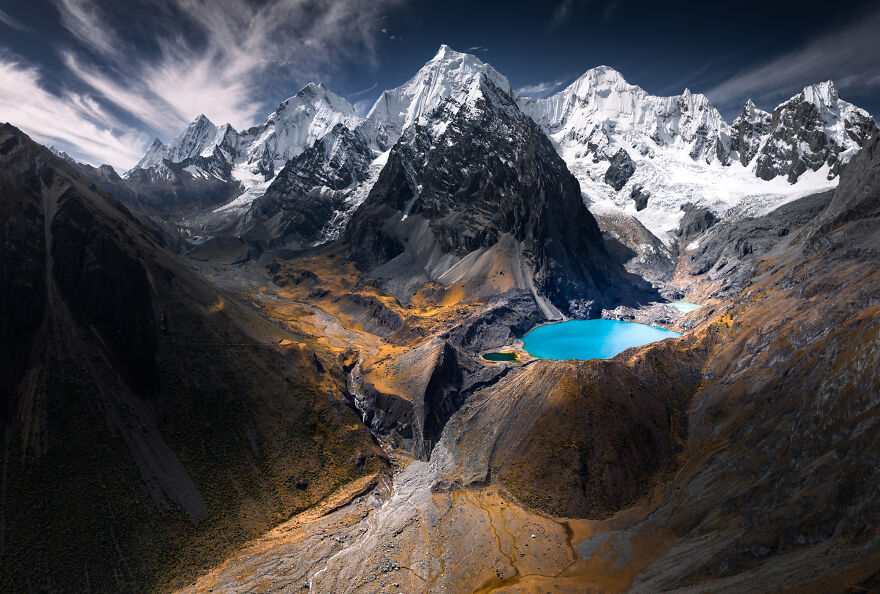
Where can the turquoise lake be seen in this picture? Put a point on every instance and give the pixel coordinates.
(590, 339)
(684, 306)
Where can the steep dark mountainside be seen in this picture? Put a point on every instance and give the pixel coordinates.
(150, 422)
(185, 187)
(299, 208)
(728, 254)
(480, 195)
(636, 248)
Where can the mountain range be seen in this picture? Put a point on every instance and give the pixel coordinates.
(293, 357)
(644, 155)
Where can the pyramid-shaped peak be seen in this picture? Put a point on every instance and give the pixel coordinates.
(751, 111)
(602, 80)
(314, 87)
(447, 53)
(823, 93)
(313, 95)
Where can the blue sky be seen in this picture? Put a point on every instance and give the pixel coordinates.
(101, 78)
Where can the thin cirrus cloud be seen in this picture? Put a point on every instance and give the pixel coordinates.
(71, 120)
(12, 22)
(239, 46)
(223, 58)
(540, 89)
(566, 10)
(850, 57)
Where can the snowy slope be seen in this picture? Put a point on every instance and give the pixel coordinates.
(684, 152)
(257, 154)
(602, 112)
(448, 75)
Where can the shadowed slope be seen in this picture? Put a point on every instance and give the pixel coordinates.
(150, 423)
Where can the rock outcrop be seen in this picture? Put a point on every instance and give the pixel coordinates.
(620, 170)
(306, 202)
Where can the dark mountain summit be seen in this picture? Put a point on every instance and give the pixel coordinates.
(478, 190)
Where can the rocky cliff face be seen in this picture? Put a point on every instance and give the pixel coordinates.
(747, 132)
(619, 171)
(453, 192)
(812, 129)
(177, 188)
(307, 203)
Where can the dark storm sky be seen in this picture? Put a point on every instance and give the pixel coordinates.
(101, 78)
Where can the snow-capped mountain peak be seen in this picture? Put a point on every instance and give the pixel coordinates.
(644, 154)
(602, 113)
(815, 128)
(650, 155)
(293, 127)
(752, 111)
(197, 139)
(823, 94)
(316, 96)
(449, 74)
(154, 155)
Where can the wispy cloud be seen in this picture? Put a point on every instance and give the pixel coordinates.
(608, 10)
(74, 122)
(11, 21)
(850, 57)
(363, 106)
(540, 89)
(564, 11)
(363, 91)
(477, 48)
(567, 10)
(162, 63)
(238, 47)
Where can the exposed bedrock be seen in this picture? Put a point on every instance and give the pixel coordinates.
(640, 196)
(447, 374)
(638, 250)
(620, 170)
(728, 253)
(696, 221)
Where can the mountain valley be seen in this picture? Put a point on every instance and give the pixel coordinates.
(256, 361)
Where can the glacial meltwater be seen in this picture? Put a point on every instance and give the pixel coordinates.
(684, 306)
(590, 339)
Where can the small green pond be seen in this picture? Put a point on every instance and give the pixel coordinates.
(508, 356)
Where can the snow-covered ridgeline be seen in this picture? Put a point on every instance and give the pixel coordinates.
(681, 149)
